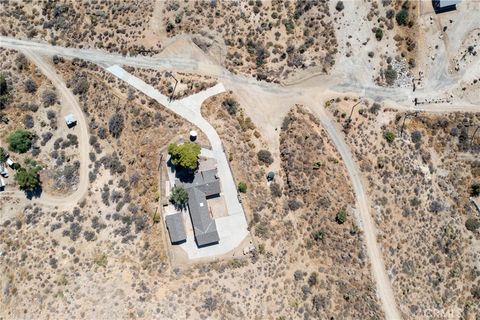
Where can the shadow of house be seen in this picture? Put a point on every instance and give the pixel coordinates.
(441, 6)
(205, 185)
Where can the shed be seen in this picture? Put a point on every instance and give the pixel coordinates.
(176, 228)
(441, 6)
(270, 176)
(10, 162)
(70, 120)
(193, 135)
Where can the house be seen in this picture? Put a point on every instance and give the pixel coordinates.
(70, 120)
(176, 228)
(441, 6)
(205, 185)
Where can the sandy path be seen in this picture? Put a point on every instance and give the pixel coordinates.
(68, 101)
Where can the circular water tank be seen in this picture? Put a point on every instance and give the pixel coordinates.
(193, 135)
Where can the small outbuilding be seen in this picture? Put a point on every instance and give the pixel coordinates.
(10, 162)
(70, 120)
(193, 135)
(270, 176)
(176, 228)
(441, 6)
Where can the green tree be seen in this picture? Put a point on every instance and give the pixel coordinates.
(179, 197)
(341, 216)
(27, 177)
(184, 155)
(389, 136)
(20, 140)
(242, 187)
(3, 155)
(472, 224)
(402, 17)
(3, 91)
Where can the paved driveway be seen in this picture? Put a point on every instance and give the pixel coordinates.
(233, 228)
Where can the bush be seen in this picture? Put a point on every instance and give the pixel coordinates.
(341, 216)
(3, 91)
(230, 105)
(49, 98)
(242, 187)
(340, 6)
(416, 136)
(184, 155)
(3, 155)
(27, 177)
(475, 189)
(379, 34)
(275, 190)
(390, 75)
(402, 17)
(115, 125)
(265, 156)
(472, 224)
(389, 136)
(20, 141)
(28, 121)
(30, 86)
(179, 197)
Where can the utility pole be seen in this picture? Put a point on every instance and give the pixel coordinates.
(169, 74)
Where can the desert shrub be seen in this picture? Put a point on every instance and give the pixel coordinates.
(379, 34)
(79, 84)
(294, 204)
(230, 105)
(115, 125)
(30, 86)
(472, 224)
(402, 17)
(318, 235)
(339, 6)
(264, 156)
(275, 190)
(341, 216)
(28, 121)
(436, 206)
(390, 75)
(46, 137)
(374, 108)
(89, 235)
(389, 136)
(4, 89)
(475, 189)
(3, 155)
(242, 187)
(416, 136)
(49, 98)
(20, 140)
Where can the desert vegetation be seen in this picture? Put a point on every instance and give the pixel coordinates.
(420, 181)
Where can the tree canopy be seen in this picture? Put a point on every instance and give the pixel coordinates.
(3, 91)
(20, 140)
(184, 155)
(27, 177)
(179, 196)
(3, 155)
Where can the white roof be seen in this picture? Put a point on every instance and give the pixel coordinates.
(10, 161)
(193, 133)
(70, 118)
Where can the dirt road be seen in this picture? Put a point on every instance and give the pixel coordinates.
(306, 92)
(68, 101)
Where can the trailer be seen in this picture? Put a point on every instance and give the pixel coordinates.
(2, 184)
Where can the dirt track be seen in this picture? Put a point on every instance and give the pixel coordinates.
(303, 92)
